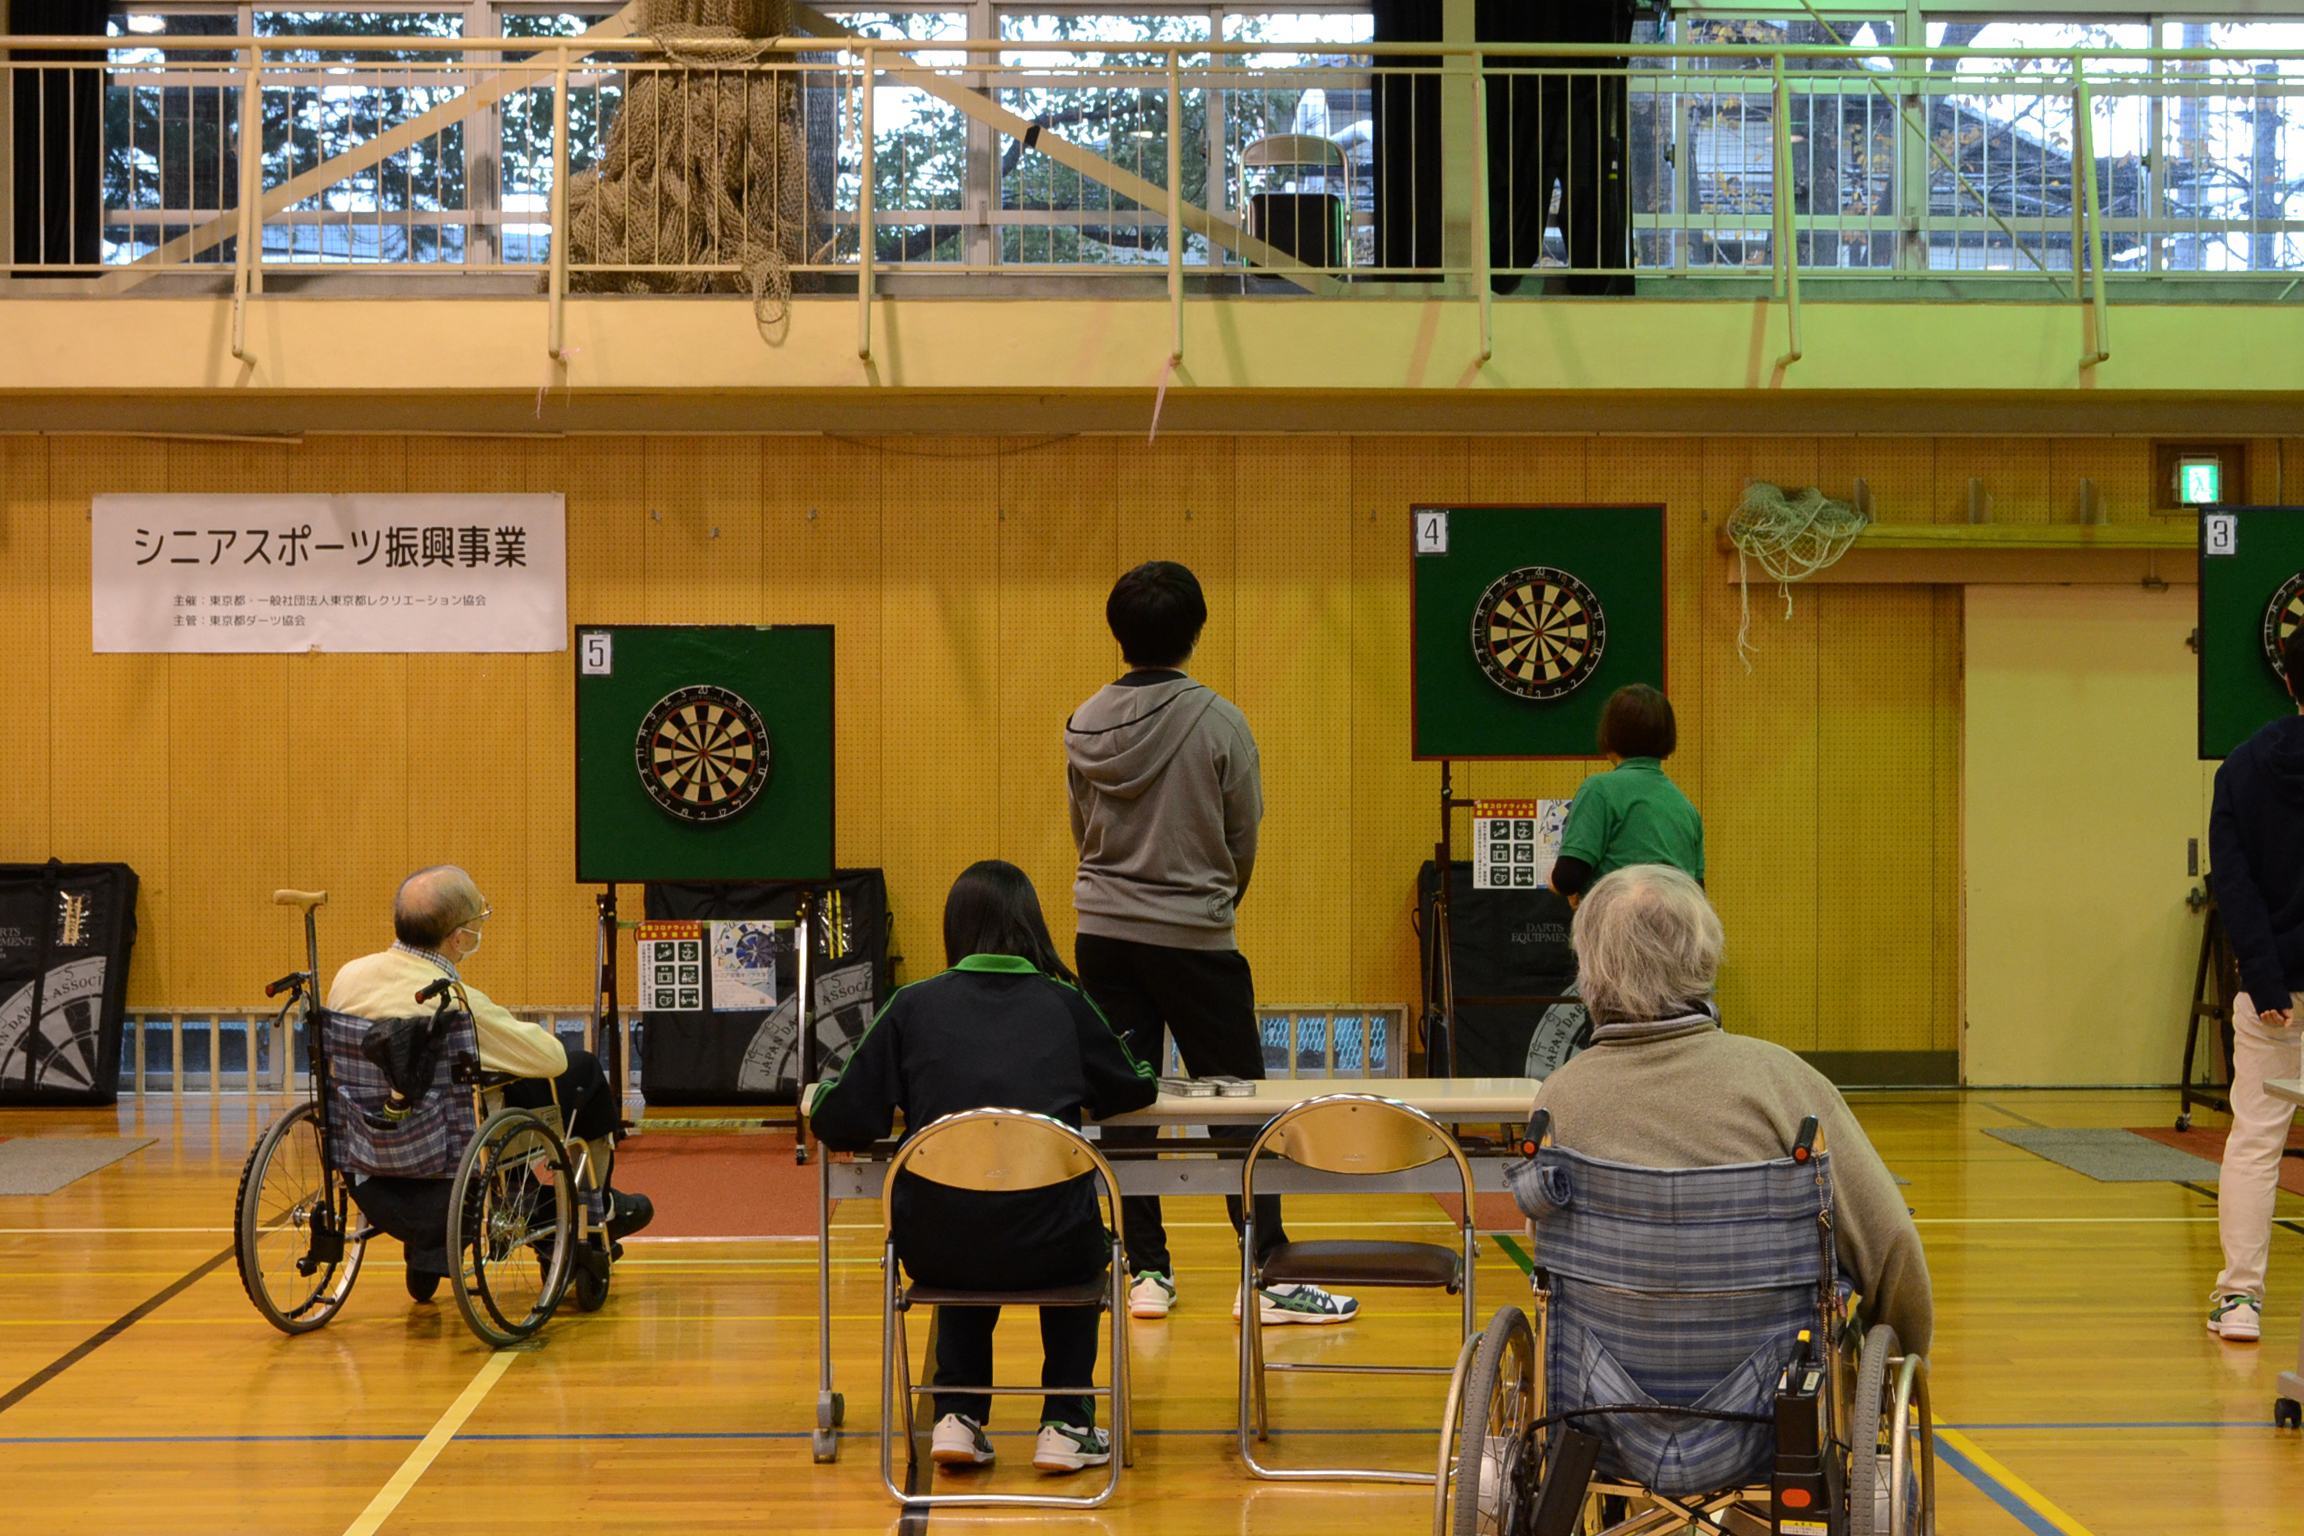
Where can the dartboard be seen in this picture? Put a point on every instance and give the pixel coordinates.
(702, 753)
(2281, 616)
(1538, 632)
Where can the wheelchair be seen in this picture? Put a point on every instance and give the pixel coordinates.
(1694, 1362)
(522, 1228)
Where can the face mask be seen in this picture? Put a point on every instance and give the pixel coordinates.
(475, 949)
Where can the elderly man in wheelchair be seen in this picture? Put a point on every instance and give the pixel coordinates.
(437, 921)
(1708, 1226)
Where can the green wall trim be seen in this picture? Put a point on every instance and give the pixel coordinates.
(1887, 1069)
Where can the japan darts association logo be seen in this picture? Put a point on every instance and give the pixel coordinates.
(703, 754)
(1538, 633)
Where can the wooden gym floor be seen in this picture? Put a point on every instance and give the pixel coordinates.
(139, 1393)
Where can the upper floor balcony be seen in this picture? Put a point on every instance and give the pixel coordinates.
(695, 195)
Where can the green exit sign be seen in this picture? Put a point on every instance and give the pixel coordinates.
(2199, 482)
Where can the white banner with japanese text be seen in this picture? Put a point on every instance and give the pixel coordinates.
(329, 573)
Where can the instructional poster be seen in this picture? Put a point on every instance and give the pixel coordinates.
(1515, 843)
(671, 967)
(743, 966)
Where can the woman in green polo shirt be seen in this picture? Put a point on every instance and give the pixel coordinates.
(1631, 814)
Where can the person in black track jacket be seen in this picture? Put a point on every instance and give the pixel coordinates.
(2256, 859)
(1005, 1028)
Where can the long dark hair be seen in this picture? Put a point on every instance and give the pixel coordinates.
(993, 910)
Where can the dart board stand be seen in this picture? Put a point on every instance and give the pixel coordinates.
(2251, 593)
(1522, 621)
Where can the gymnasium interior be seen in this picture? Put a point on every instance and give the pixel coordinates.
(669, 488)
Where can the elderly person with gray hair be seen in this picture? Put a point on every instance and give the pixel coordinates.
(1664, 1086)
(437, 921)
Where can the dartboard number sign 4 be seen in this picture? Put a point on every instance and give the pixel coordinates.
(704, 753)
(1525, 619)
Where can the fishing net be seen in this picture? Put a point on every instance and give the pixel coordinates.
(1792, 537)
(709, 164)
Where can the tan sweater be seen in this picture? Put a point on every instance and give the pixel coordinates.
(1701, 1097)
(384, 986)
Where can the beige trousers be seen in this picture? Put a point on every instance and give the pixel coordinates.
(2252, 1151)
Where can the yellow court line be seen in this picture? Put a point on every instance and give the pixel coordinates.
(389, 1496)
(2014, 1484)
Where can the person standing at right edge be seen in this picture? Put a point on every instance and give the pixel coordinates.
(1165, 798)
(2256, 858)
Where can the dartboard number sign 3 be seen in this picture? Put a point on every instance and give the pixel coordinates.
(1538, 632)
(703, 753)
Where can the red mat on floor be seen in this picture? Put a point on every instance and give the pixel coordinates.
(2203, 1141)
(721, 1186)
(1490, 1213)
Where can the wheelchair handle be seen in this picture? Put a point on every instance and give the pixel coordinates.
(1538, 1133)
(1805, 1147)
(437, 989)
(292, 979)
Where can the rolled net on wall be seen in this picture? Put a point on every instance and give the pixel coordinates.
(1792, 537)
(709, 164)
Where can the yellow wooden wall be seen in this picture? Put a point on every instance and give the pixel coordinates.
(967, 578)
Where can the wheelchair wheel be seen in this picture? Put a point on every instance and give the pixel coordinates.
(291, 1224)
(1892, 1462)
(511, 1227)
(1494, 1487)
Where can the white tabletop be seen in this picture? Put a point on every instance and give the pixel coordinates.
(2291, 1089)
(1448, 1099)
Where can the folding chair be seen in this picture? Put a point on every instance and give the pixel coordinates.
(999, 1149)
(1360, 1134)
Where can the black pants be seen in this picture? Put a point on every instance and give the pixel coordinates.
(1206, 998)
(1569, 131)
(416, 1210)
(1028, 1240)
(586, 1107)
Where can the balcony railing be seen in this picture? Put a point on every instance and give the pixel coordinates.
(831, 164)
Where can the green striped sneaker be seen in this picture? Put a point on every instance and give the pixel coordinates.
(1068, 1447)
(1300, 1304)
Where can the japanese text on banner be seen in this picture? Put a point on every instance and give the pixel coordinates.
(330, 573)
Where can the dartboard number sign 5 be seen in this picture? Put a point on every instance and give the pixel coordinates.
(704, 753)
(1525, 619)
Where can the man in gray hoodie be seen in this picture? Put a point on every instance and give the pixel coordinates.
(1165, 799)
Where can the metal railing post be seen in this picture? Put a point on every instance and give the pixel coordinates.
(866, 215)
(2087, 224)
(1483, 257)
(1176, 210)
(1787, 247)
(557, 343)
(251, 136)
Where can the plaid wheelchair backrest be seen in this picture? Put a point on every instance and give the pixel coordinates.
(1685, 1287)
(430, 1143)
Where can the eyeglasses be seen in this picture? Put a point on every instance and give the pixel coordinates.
(486, 912)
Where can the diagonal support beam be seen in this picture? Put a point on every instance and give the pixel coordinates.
(983, 109)
(328, 172)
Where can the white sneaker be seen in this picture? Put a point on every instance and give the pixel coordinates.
(1062, 1448)
(1300, 1304)
(1152, 1295)
(2236, 1319)
(960, 1442)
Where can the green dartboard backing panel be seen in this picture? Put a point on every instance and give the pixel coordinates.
(1617, 552)
(2239, 691)
(785, 674)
